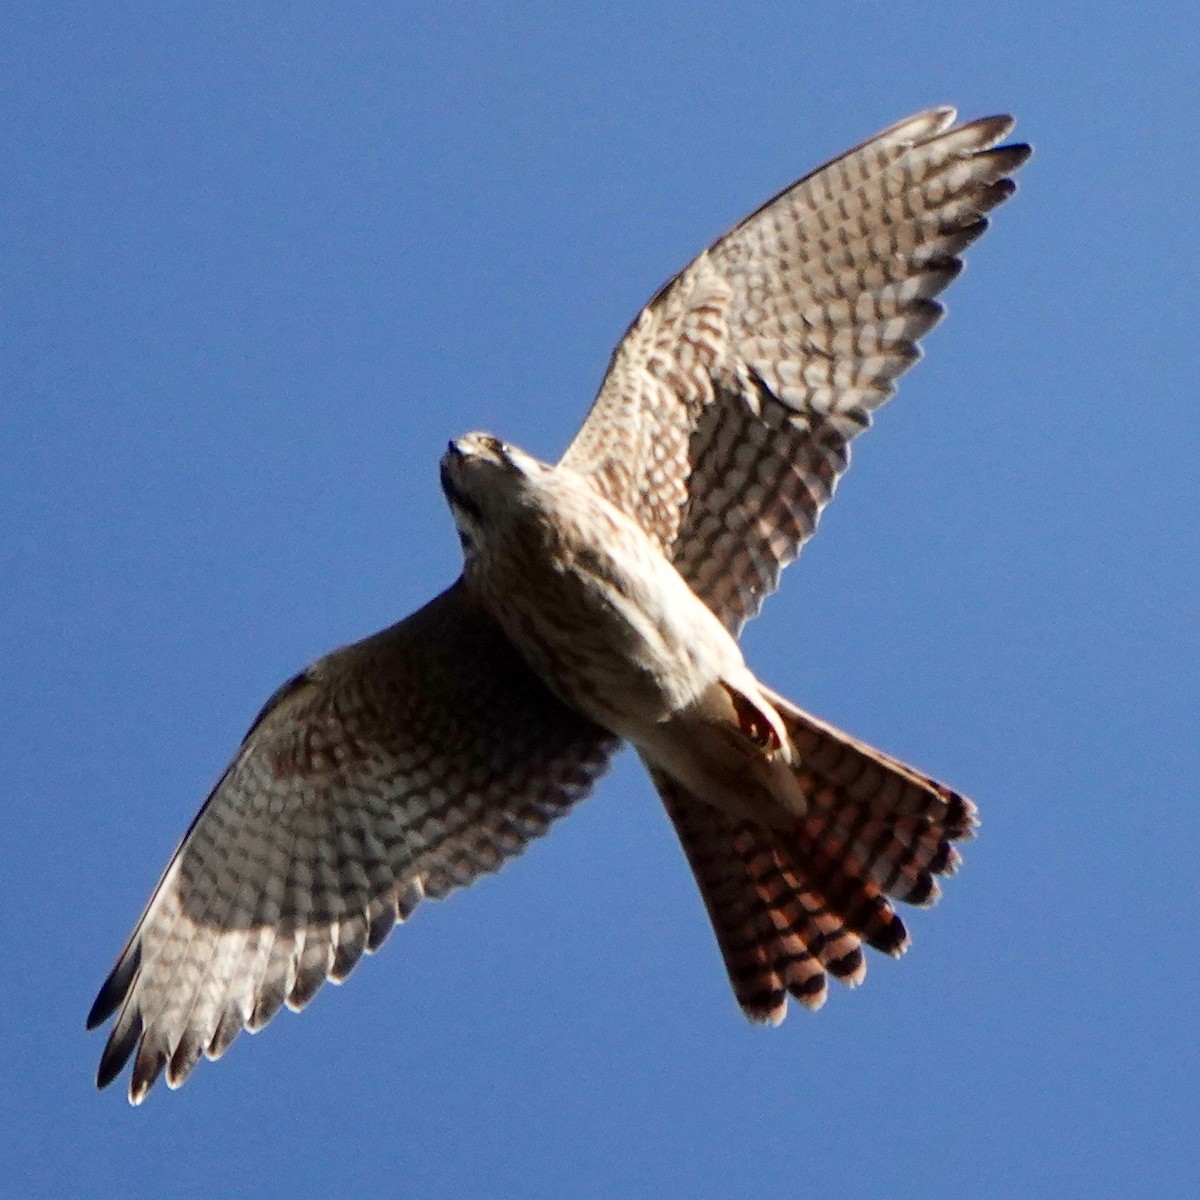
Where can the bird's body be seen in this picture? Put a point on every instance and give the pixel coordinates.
(605, 620)
(591, 602)
(600, 601)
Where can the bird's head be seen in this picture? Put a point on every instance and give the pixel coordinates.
(484, 479)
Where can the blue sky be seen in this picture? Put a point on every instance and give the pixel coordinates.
(260, 265)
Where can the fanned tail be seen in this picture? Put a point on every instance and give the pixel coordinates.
(792, 907)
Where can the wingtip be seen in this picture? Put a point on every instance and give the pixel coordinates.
(998, 125)
(1021, 153)
(147, 1067)
(121, 1044)
(921, 126)
(115, 988)
(98, 1013)
(984, 135)
(942, 115)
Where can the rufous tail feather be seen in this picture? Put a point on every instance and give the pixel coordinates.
(791, 907)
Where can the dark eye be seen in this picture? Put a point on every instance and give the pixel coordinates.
(496, 446)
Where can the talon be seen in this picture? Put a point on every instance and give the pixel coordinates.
(754, 724)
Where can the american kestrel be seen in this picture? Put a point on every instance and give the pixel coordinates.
(600, 602)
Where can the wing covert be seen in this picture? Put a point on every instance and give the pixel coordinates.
(725, 418)
(400, 767)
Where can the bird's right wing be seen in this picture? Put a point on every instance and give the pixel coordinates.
(400, 767)
(725, 418)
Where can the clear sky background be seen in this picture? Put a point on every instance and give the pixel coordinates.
(260, 262)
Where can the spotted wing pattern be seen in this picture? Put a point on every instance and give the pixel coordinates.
(400, 767)
(725, 418)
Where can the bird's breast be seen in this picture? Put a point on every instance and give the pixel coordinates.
(602, 616)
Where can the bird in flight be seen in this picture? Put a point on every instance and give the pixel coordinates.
(600, 602)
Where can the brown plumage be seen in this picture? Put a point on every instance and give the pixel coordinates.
(789, 907)
(600, 600)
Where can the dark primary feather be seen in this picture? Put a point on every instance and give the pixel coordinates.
(397, 768)
(725, 419)
(406, 765)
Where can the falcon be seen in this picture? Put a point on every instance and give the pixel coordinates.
(600, 602)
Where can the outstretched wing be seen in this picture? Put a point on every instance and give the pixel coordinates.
(400, 767)
(725, 419)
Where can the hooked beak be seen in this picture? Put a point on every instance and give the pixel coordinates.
(456, 496)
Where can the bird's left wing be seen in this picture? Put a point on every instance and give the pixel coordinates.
(400, 767)
(725, 418)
